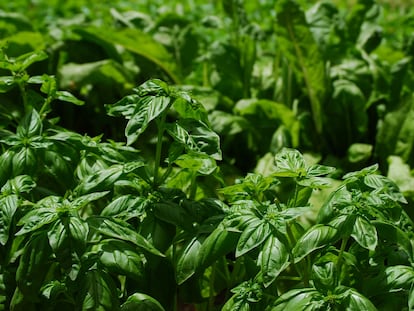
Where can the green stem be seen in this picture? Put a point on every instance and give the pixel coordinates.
(340, 257)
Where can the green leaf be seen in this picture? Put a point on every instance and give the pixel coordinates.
(324, 274)
(125, 207)
(141, 302)
(365, 233)
(24, 161)
(289, 163)
(8, 207)
(187, 260)
(399, 278)
(219, 243)
(189, 108)
(138, 42)
(120, 230)
(98, 292)
(19, 184)
(24, 61)
(196, 136)
(252, 236)
(302, 299)
(274, 259)
(356, 301)
(147, 109)
(81, 201)
(316, 237)
(120, 257)
(69, 98)
(299, 47)
(79, 230)
(34, 265)
(31, 125)
(100, 181)
(36, 219)
(6, 83)
(57, 235)
(196, 162)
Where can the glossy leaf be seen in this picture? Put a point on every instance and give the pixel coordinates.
(97, 290)
(31, 125)
(120, 230)
(187, 260)
(274, 259)
(316, 237)
(356, 301)
(290, 163)
(36, 219)
(252, 236)
(120, 257)
(8, 207)
(101, 180)
(196, 136)
(302, 299)
(365, 233)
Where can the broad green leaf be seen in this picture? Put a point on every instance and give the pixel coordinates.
(219, 243)
(6, 165)
(8, 207)
(125, 207)
(19, 184)
(316, 237)
(187, 260)
(235, 304)
(136, 41)
(78, 229)
(196, 136)
(141, 302)
(98, 292)
(252, 236)
(274, 259)
(120, 257)
(319, 170)
(81, 201)
(399, 278)
(36, 218)
(290, 163)
(302, 299)
(298, 45)
(21, 45)
(34, 265)
(24, 161)
(120, 230)
(365, 233)
(188, 108)
(31, 125)
(57, 235)
(100, 181)
(356, 302)
(399, 172)
(323, 274)
(147, 109)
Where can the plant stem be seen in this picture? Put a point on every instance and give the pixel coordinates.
(340, 257)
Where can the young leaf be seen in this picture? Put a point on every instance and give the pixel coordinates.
(289, 163)
(365, 233)
(356, 301)
(31, 125)
(100, 181)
